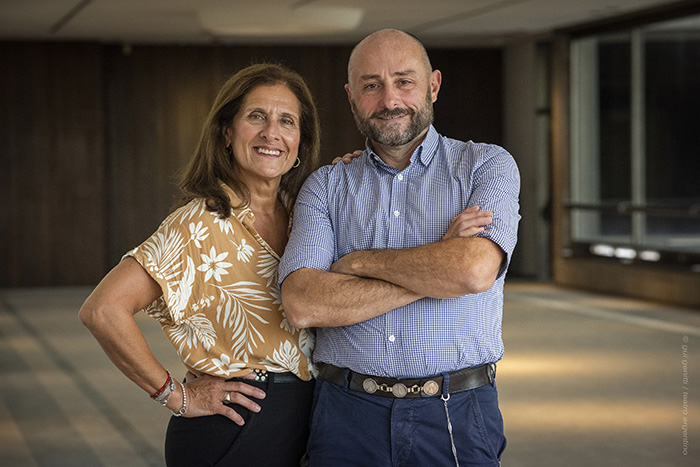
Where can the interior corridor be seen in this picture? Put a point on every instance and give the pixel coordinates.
(587, 380)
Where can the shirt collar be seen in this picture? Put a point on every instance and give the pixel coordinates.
(424, 153)
(428, 148)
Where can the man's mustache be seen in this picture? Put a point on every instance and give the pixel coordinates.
(391, 113)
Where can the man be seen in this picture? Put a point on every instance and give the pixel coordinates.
(383, 259)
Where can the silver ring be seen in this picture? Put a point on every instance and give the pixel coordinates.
(227, 397)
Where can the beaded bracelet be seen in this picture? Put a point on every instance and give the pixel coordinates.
(183, 409)
(164, 396)
(165, 385)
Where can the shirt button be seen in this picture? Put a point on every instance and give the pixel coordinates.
(392, 338)
(400, 177)
(397, 213)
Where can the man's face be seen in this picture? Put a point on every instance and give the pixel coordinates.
(391, 93)
(390, 127)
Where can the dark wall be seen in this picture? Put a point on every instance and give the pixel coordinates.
(92, 137)
(470, 103)
(52, 165)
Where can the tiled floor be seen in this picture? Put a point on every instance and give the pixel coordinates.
(587, 381)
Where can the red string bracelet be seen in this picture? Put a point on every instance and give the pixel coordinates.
(160, 391)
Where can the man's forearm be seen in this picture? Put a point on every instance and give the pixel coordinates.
(316, 298)
(446, 269)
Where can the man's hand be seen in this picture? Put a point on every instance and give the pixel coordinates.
(468, 223)
(347, 158)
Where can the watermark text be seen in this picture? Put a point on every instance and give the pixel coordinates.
(685, 384)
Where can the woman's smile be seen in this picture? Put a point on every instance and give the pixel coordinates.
(265, 133)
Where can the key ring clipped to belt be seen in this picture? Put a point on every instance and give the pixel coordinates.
(445, 396)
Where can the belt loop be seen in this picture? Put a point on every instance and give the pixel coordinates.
(346, 377)
(445, 386)
(492, 373)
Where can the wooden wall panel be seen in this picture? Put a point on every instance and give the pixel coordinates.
(469, 106)
(93, 137)
(156, 100)
(51, 141)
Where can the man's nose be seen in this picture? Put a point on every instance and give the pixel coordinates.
(390, 97)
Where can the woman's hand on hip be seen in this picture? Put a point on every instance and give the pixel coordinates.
(206, 395)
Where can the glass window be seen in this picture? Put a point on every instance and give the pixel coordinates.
(635, 165)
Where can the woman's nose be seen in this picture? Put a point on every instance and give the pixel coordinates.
(270, 131)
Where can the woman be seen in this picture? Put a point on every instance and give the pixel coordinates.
(209, 276)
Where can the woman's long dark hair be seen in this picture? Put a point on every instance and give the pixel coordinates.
(210, 164)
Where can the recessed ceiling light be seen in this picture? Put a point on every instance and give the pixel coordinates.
(268, 21)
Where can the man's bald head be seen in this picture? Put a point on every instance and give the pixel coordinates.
(393, 39)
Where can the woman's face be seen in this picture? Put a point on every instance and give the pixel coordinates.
(265, 134)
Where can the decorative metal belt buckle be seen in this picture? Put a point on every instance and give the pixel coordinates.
(399, 390)
(369, 385)
(430, 388)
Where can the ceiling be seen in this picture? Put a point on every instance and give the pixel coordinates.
(436, 22)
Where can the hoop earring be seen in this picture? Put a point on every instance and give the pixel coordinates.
(297, 163)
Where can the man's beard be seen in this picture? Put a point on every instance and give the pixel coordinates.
(391, 134)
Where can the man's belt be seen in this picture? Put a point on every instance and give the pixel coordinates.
(461, 380)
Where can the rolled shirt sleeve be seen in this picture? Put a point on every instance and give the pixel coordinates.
(312, 241)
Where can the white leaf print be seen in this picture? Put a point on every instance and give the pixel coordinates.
(307, 341)
(287, 357)
(225, 366)
(158, 310)
(267, 267)
(235, 311)
(284, 324)
(276, 297)
(192, 331)
(163, 251)
(179, 292)
(207, 367)
(225, 225)
(194, 208)
(245, 251)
